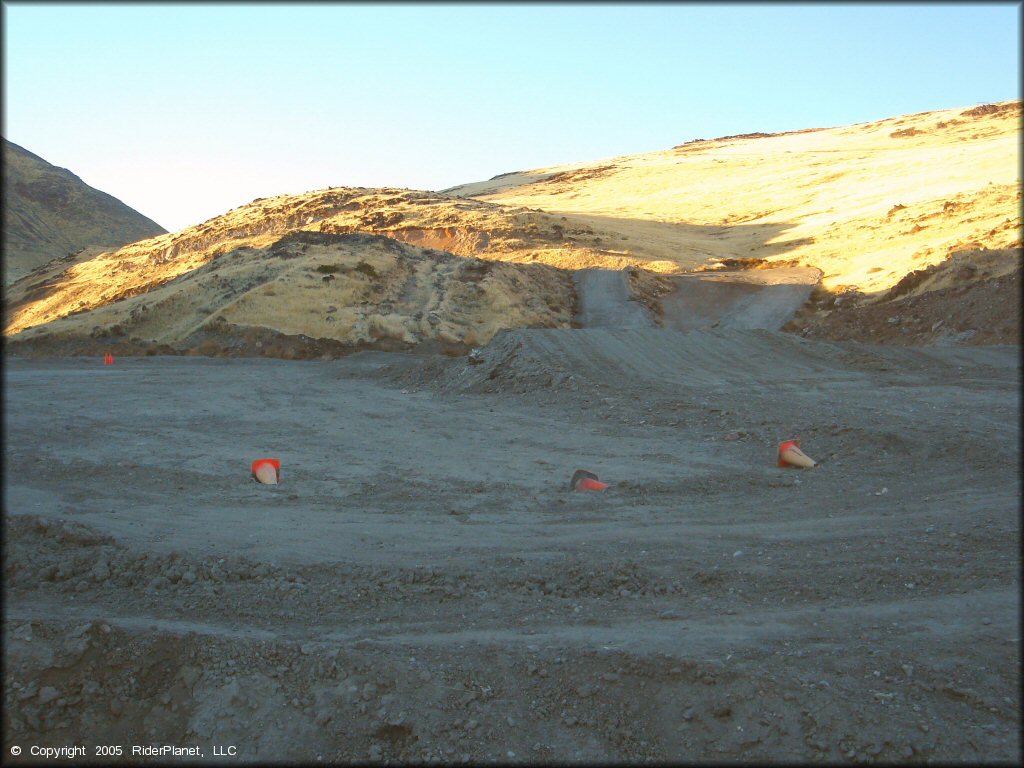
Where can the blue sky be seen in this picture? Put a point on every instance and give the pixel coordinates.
(184, 111)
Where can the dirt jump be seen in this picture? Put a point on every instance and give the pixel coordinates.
(421, 584)
(605, 301)
(753, 298)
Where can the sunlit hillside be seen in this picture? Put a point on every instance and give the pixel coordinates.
(883, 209)
(866, 203)
(302, 264)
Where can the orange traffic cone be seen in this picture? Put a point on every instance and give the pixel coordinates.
(791, 455)
(267, 471)
(586, 481)
(108, 359)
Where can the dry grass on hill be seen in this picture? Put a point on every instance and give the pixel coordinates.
(258, 266)
(49, 213)
(867, 204)
(352, 289)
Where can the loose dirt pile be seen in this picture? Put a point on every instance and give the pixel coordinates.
(972, 298)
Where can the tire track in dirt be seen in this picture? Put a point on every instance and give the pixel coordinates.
(702, 634)
(424, 550)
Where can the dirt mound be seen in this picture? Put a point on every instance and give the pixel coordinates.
(972, 298)
(348, 265)
(747, 298)
(524, 360)
(594, 361)
(326, 292)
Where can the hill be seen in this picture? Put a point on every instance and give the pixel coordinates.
(866, 203)
(913, 223)
(349, 266)
(49, 213)
(914, 220)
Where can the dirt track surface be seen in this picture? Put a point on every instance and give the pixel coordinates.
(423, 585)
(754, 298)
(604, 301)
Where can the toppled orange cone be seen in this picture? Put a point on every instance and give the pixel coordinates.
(267, 471)
(791, 455)
(586, 481)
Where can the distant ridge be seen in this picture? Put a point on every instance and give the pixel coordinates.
(50, 213)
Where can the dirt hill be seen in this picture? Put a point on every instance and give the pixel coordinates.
(914, 218)
(865, 203)
(348, 266)
(49, 213)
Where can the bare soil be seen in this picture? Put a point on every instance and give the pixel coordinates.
(423, 586)
(970, 307)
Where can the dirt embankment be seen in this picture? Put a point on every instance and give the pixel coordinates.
(310, 294)
(973, 298)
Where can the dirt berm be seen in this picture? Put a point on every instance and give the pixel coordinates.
(422, 585)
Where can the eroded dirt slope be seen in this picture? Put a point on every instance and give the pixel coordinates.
(974, 298)
(280, 238)
(312, 293)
